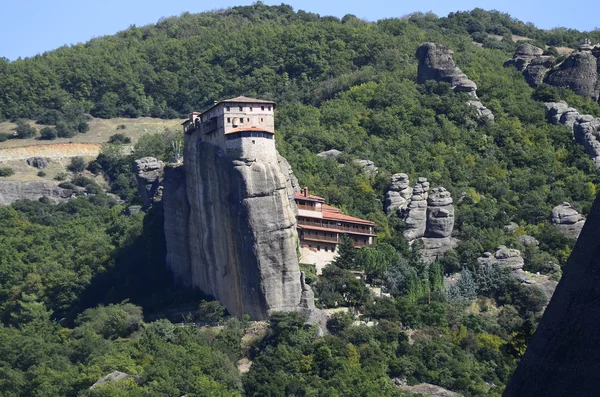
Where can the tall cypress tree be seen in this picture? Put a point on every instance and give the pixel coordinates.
(346, 253)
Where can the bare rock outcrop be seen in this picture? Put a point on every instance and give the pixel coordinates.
(585, 128)
(149, 175)
(11, 191)
(562, 357)
(416, 217)
(115, 376)
(230, 229)
(579, 72)
(38, 162)
(436, 63)
(429, 219)
(397, 195)
(367, 166)
(567, 220)
(530, 60)
(330, 154)
(440, 213)
(505, 257)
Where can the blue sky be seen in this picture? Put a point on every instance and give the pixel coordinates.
(30, 27)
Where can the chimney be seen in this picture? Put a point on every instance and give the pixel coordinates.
(305, 192)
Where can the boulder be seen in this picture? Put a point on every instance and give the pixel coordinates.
(528, 241)
(506, 257)
(529, 60)
(434, 248)
(149, 175)
(555, 110)
(536, 70)
(436, 63)
(115, 376)
(586, 132)
(367, 165)
(38, 162)
(567, 220)
(330, 154)
(397, 194)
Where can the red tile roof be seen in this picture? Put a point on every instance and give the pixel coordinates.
(309, 197)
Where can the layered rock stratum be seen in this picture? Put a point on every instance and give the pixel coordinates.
(436, 63)
(562, 357)
(230, 226)
(567, 220)
(11, 191)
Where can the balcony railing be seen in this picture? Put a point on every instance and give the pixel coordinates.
(306, 207)
(303, 222)
(313, 237)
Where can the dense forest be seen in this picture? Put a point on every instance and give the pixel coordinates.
(83, 286)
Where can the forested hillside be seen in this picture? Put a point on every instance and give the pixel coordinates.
(342, 84)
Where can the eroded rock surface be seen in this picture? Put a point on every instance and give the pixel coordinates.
(38, 162)
(436, 63)
(579, 72)
(330, 154)
(562, 357)
(440, 213)
(368, 166)
(230, 226)
(567, 220)
(397, 195)
(416, 218)
(115, 376)
(506, 257)
(530, 60)
(11, 191)
(149, 175)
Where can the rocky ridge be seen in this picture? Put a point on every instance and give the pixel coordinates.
(585, 128)
(580, 71)
(436, 63)
(149, 175)
(11, 191)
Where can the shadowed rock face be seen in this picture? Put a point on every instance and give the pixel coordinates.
(579, 72)
(11, 191)
(230, 227)
(567, 220)
(529, 60)
(562, 357)
(149, 175)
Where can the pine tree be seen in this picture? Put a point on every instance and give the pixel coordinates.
(346, 253)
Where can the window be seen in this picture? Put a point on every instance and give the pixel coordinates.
(250, 108)
(318, 248)
(253, 142)
(227, 108)
(269, 108)
(262, 108)
(241, 108)
(248, 119)
(228, 119)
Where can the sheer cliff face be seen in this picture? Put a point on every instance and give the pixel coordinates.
(562, 357)
(231, 229)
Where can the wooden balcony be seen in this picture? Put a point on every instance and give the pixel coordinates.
(306, 207)
(323, 239)
(334, 227)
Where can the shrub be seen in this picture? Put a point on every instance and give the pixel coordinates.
(64, 130)
(50, 117)
(24, 130)
(48, 134)
(77, 164)
(41, 174)
(6, 171)
(121, 127)
(67, 185)
(61, 176)
(83, 127)
(119, 139)
(4, 136)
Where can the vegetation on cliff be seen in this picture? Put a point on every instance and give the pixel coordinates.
(342, 84)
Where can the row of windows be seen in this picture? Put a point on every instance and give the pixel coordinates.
(247, 134)
(228, 108)
(326, 248)
(262, 120)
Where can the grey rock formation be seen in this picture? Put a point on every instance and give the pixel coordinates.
(579, 72)
(424, 389)
(436, 63)
(529, 60)
(230, 230)
(416, 218)
(38, 162)
(397, 195)
(562, 357)
(367, 165)
(586, 128)
(149, 175)
(586, 131)
(11, 191)
(435, 248)
(115, 376)
(567, 220)
(506, 257)
(528, 241)
(440, 213)
(330, 154)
